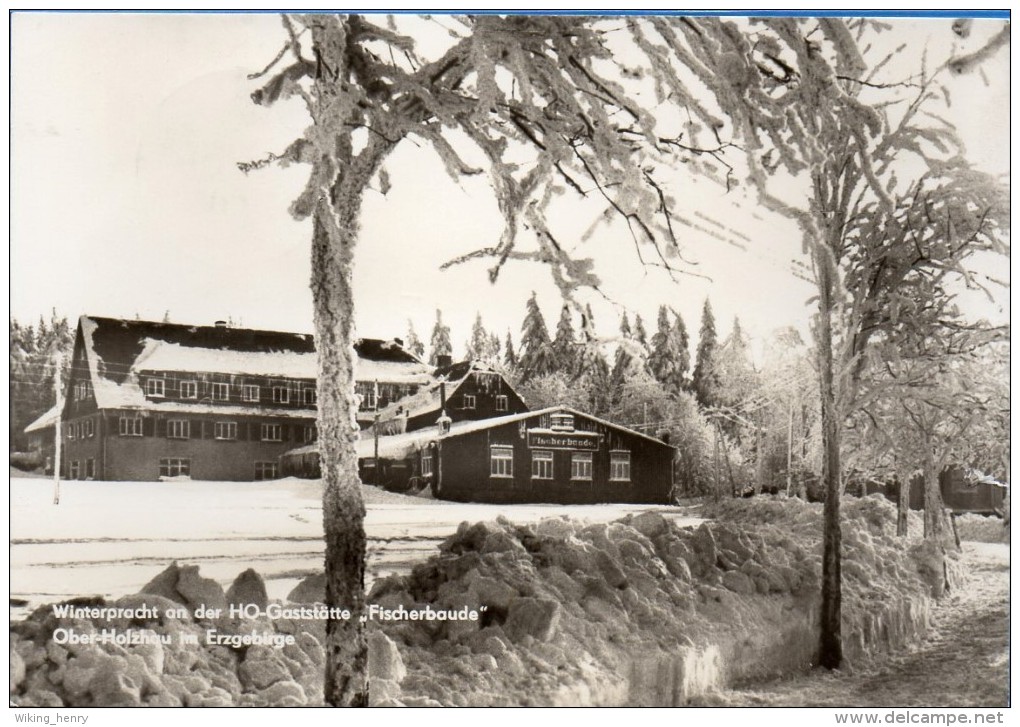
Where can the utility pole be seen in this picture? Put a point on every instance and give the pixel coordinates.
(56, 428)
(375, 431)
(789, 451)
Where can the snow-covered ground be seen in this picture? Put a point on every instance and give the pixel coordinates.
(110, 538)
(963, 661)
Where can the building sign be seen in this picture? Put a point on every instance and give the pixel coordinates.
(559, 440)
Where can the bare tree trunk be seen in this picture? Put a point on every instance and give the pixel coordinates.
(831, 647)
(903, 507)
(343, 511)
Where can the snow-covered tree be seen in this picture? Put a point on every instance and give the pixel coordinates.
(479, 346)
(705, 381)
(640, 334)
(536, 356)
(564, 345)
(509, 353)
(439, 344)
(413, 343)
(34, 351)
(682, 344)
(662, 359)
(860, 144)
(625, 330)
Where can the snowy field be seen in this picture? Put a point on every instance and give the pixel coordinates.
(111, 538)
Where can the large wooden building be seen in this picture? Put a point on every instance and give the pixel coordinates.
(552, 455)
(161, 400)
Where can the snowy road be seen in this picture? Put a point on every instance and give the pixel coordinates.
(963, 662)
(110, 538)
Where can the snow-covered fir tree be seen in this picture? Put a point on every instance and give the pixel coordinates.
(536, 356)
(705, 381)
(564, 345)
(413, 343)
(439, 344)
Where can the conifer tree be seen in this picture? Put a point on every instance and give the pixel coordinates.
(536, 355)
(667, 360)
(477, 347)
(564, 346)
(682, 343)
(492, 355)
(625, 330)
(706, 380)
(640, 334)
(440, 344)
(509, 353)
(413, 343)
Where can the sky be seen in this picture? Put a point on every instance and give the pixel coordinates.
(126, 199)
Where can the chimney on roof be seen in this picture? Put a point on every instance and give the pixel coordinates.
(399, 342)
(443, 359)
(221, 324)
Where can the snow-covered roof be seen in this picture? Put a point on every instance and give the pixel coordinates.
(400, 446)
(429, 399)
(163, 356)
(48, 419)
(117, 350)
(482, 424)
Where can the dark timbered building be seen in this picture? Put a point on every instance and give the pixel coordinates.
(160, 400)
(556, 455)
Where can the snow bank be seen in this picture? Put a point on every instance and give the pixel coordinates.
(981, 529)
(639, 611)
(642, 612)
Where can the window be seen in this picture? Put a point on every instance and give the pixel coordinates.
(561, 422)
(309, 396)
(265, 470)
(130, 426)
(619, 466)
(225, 430)
(189, 389)
(154, 387)
(271, 433)
(174, 467)
(469, 401)
(90, 469)
(71, 430)
(89, 427)
(311, 433)
(580, 465)
(82, 390)
(250, 392)
(178, 429)
(74, 470)
(367, 393)
(501, 461)
(220, 392)
(502, 403)
(281, 395)
(426, 464)
(541, 465)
